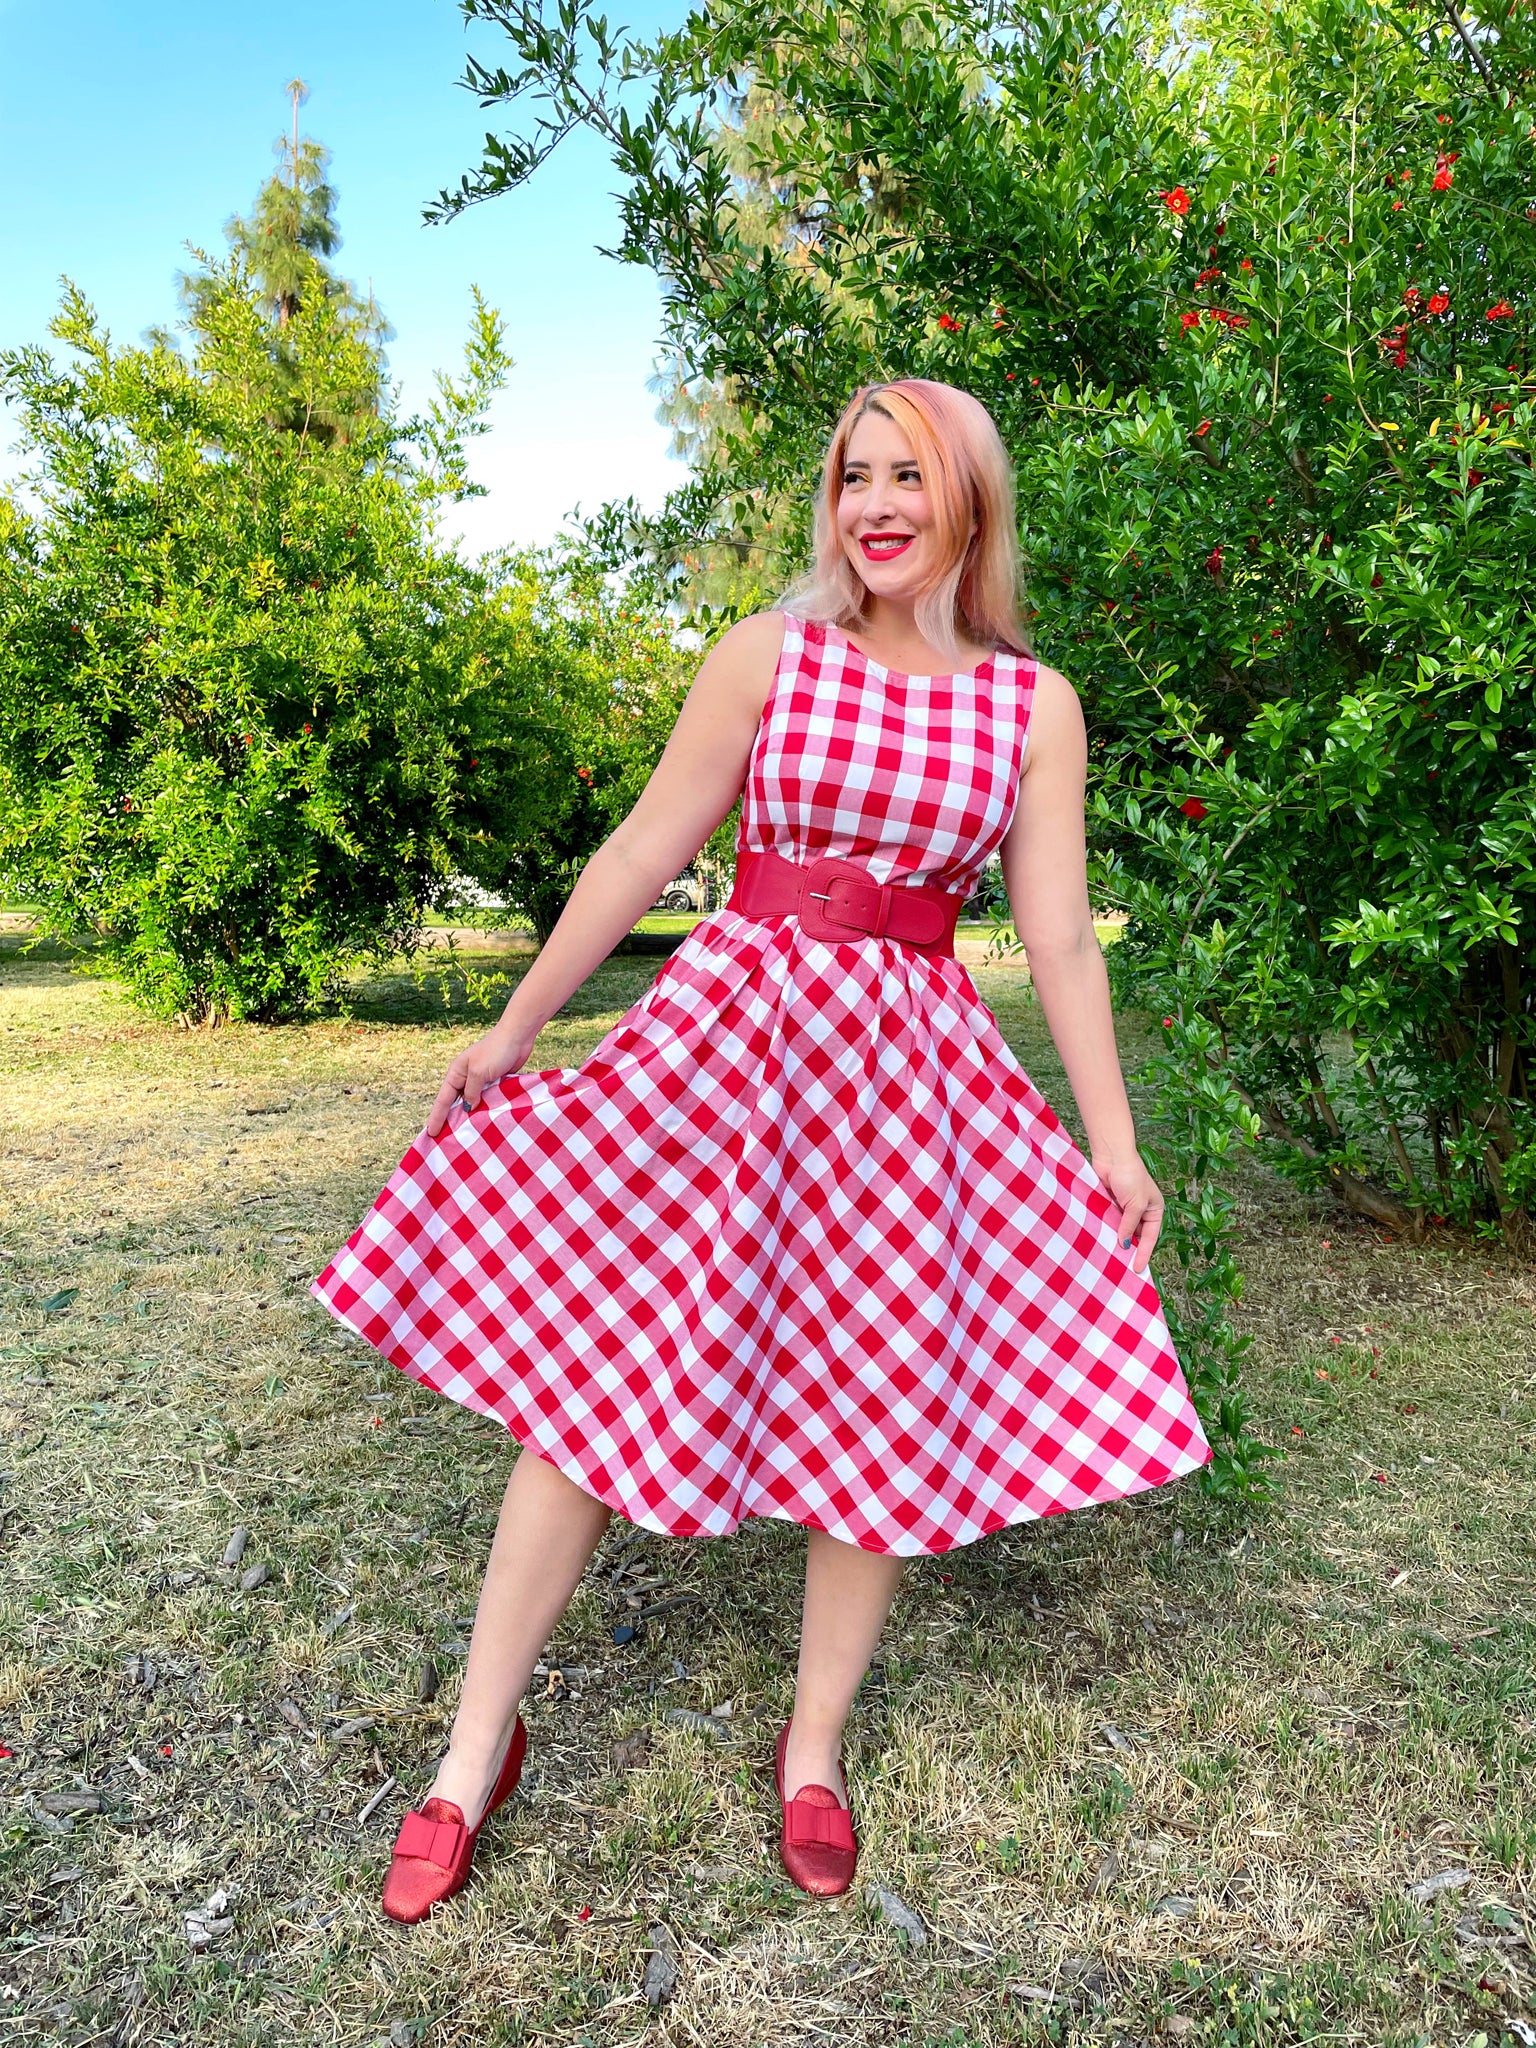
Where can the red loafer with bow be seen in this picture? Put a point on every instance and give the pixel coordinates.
(816, 1840)
(433, 1849)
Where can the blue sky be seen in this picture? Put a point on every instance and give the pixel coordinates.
(131, 130)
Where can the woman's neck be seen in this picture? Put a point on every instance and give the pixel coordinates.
(888, 633)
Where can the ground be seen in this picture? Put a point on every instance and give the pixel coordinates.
(1154, 1771)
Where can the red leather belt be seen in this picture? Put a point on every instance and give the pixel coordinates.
(835, 899)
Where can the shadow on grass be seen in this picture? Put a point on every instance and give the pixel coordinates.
(21, 949)
(475, 988)
(466, 987)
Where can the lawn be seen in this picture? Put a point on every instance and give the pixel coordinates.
(1151, 1772)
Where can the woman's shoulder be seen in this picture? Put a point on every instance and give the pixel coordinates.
(759, 633)
(1056, 723)
(745, 659)
(764, 629)
(1049, 681)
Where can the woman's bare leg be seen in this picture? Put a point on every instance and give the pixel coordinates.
(848, 1594)
(547, 1530)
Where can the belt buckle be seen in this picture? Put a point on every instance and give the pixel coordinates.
(838, 897)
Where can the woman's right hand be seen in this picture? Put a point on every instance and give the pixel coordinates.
(501, 1051)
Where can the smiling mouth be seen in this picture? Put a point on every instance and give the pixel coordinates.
(882, 547)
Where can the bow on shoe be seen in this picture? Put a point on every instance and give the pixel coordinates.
(434, 1841)
(819, 1827)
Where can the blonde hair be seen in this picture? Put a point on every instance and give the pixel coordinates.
(967, 474)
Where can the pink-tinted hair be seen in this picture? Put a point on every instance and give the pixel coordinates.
(967, 474)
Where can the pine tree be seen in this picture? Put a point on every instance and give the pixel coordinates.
(282, 246)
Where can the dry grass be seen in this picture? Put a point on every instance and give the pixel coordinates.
(1145, 1773)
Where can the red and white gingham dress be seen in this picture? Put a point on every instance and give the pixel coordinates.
(799, 1237)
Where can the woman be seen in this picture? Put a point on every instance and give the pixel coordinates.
(799, 1238)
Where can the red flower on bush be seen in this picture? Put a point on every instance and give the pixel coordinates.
(1444, 175)
(1202, 428)
(1502, 311)
(1439, 302)
(1397, 206)
(1193, 808)
(1167, 1023)
(950, 326)
(1246, 264)
(249, 740)
(1213, 560)
(309, 728)
(1206, 275)
(1376, 581)
(1176, 201)
(1474, 477)
(1188, 320)
(1412, 296)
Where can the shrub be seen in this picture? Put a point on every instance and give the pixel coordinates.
(232, 657)
(577, 688)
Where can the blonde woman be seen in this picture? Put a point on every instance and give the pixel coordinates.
(799, 1238)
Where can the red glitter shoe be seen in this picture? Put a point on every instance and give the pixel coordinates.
(816, 1840)
(433, 1848)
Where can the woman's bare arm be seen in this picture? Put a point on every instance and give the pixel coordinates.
(1045, 869)
(700, 775)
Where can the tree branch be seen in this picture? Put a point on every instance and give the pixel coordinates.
(1471, 48)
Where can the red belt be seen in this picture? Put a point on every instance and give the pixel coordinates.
(834, 899)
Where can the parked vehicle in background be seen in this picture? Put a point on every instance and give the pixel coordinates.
(691, 891)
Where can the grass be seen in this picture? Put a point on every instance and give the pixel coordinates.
(1147, 1773)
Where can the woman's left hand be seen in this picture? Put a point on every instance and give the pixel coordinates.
(1141, 1206)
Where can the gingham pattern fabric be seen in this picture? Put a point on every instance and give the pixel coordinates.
(800, 1237)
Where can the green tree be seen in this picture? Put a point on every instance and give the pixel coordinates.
(234, 664)
(578, 688)
(283, 247)
(1248, 289)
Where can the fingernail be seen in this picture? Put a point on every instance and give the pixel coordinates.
(1125, 1244)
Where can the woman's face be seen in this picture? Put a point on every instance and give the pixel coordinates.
(884, 515)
